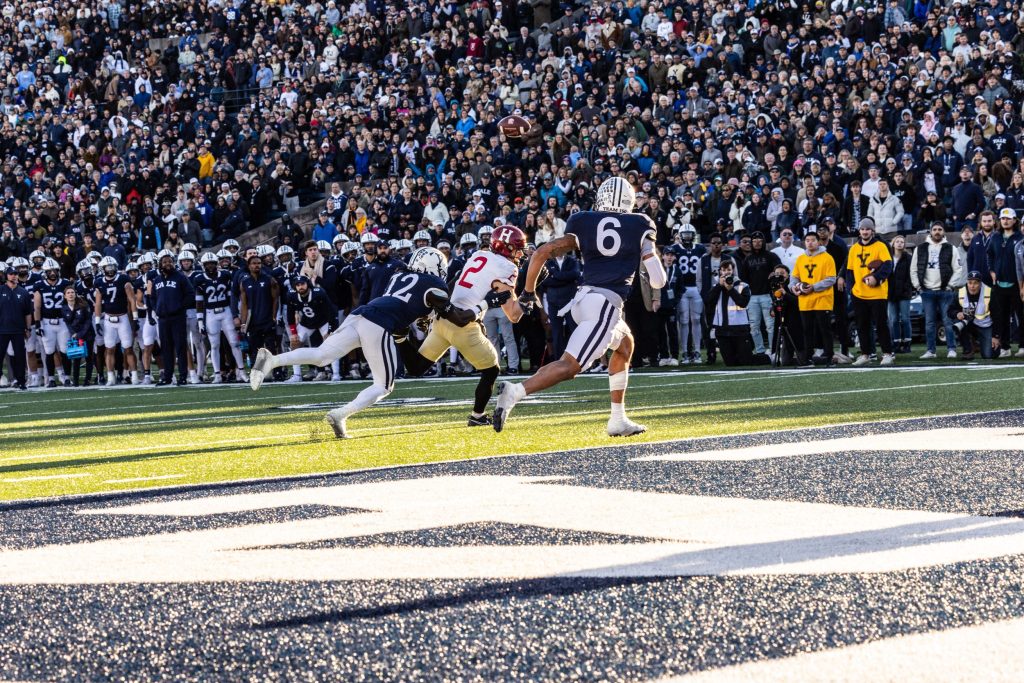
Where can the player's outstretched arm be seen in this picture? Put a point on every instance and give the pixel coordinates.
(548, 250)
(652, 264)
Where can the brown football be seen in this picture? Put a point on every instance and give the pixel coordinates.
(514, 126)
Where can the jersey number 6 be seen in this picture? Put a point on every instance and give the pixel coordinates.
(611, 233)
(479, 263)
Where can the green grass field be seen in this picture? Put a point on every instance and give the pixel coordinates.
(79, 441)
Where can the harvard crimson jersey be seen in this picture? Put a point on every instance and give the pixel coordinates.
(403, 301)
(481, 271)
(52, 296)
(610, 244)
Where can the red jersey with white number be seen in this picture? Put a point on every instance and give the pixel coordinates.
(481, 271)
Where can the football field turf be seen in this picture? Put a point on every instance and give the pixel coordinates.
(83, 441)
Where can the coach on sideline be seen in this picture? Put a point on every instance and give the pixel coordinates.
(172, 294)
(15, 323)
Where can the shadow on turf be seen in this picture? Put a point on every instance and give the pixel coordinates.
(505, 590)
(138, 457)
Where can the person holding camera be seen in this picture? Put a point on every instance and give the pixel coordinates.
(812, 281)
(789, 333)
(868, 267)
(726, 308)
(971, 315)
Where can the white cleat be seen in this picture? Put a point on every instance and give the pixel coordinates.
(888, 359)
(193, 377)
(928, 355)
(509, 395)
(624, 427)
(111, 381)
(335, 378)
(862, 359)
(294, 379)
(337, 418)
(259, 369)
(951, 353)
(4, 382)
(217, 379)
(147, 379)
(242, 375)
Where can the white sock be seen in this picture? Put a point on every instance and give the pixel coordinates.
(618, 411)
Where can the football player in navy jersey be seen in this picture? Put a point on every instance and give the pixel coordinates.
(49, 321)
(196, 347)
(115, 311)
(215, 317)
(614, 244)
(689, 308)
(310, 310)
(27, 280)
(410, 295)
(85, 288)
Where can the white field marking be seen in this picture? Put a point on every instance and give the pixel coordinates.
(132, 480)
(46, 477)
(948, 439)
(289, 397)
(692, 536)
(642, 409)
(989, 652)
(537, 398)
(71, 498)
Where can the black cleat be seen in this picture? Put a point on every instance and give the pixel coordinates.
(482, 421)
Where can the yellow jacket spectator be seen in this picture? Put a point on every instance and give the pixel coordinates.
(813, 277)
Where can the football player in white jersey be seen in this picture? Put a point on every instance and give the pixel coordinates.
(487, 280)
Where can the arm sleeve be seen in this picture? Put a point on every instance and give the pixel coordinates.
(652, 264)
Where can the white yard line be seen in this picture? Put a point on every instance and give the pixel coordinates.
(541, 417)
(46, 477)
(133, 480)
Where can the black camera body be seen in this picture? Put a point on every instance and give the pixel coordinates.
(729, 280)
(960, 325)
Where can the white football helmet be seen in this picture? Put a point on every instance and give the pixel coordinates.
(186, 256)
(188, 246)
(37, 255)
(421, 235)
(108, 266)
(349, 247)
(231, 244)
(323, 245)
(84, 268)
(208, 257)
(94, 256)
(264, 250)
(468, 238)
(485, 230)
(430, 261)
(404, 244)
(150, 258)
(615, 194)
(50, 264)
(339, 238)
(285, 250)
(687, 232)
(369, 238)
(224, 254)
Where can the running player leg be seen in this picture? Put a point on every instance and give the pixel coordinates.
(378, 346)
(596, 317)
(618, 379)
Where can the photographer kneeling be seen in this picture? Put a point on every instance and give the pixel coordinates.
(972, 317)
(726, 308)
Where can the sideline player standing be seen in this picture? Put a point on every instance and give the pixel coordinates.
(614, 243)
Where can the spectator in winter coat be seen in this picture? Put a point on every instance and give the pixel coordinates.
(755, 270)
(936, 270)
(1006, 299)
(968, 201)
(901, 291)
(886, 210)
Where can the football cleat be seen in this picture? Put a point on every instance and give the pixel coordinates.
(259, 369)
(624, 427)
(51, 383)
(481, 421)
(242, 375)
(294, 379)
(335, 377)
(216, 378)
(509, 395)
(336, 418)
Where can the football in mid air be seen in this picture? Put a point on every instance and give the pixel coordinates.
(514, 126)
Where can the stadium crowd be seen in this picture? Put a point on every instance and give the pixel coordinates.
(132, 131)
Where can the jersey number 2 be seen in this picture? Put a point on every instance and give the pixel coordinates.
(610, 234)
(480, 262)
